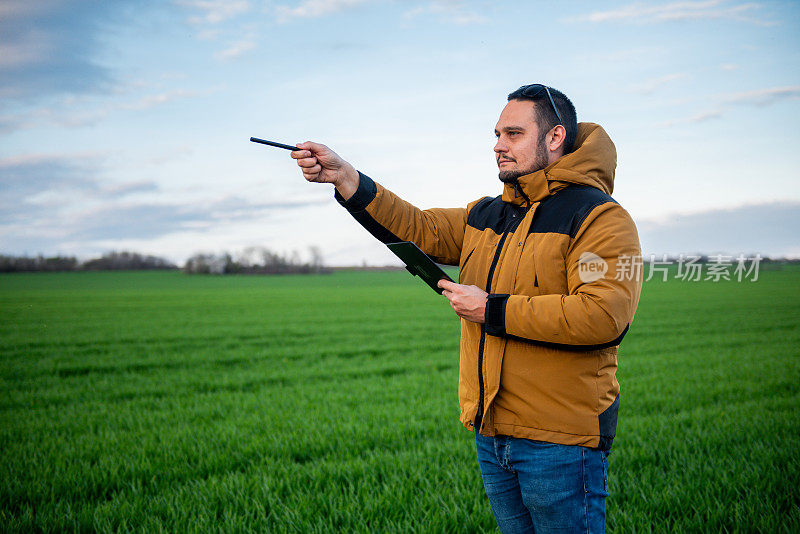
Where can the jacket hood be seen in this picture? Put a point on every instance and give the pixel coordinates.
(592, 162)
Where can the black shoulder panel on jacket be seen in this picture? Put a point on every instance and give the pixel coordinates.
(565, 211)
(495, 214)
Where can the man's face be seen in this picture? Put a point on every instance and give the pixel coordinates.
(520, 148)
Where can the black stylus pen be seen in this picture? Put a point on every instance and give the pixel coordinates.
(273, 143)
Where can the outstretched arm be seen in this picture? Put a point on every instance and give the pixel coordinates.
(438, 232)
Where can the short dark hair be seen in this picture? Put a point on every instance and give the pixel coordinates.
(546, 118)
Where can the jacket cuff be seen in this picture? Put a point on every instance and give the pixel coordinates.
(495, 314)
(361, 198)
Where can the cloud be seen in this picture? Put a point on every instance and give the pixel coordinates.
(47, 47)
(13, 122)
(60, 115)
(149, 220)
(760, 98)
(73, 113)
(648, 87)
(121, 190)
(236, 49)
(765, 97)
(158, 99)
(49, 200)
(215, 11)
(24, 176)
(51, 180)
(766, 228)
(641, 13)
(694, 119)
(47, 229)
(209, 34)
(453, 11)
(241, 38)
(315, 8)
(168, 154)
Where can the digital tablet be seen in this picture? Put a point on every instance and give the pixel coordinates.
(419, 264)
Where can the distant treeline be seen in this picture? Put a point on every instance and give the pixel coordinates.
(253, 260)
(112, 261)
(717, 258)
(256, 260)
(713, 258)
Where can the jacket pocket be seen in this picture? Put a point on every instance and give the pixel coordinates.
(526, 280)
(466, 271)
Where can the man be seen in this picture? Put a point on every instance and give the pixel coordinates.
(546, 294)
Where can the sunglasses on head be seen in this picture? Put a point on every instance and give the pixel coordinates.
(534, 90)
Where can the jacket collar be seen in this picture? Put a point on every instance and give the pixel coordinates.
(592, 162)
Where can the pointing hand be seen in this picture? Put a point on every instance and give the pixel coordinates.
(319, 163)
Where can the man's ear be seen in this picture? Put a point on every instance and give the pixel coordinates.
(556, 138)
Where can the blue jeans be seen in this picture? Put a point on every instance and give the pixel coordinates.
(534, 486)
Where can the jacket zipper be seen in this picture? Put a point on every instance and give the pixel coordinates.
(479, 416)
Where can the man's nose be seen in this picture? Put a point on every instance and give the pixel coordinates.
(500, 146)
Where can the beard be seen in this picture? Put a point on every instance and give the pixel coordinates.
(539, 162)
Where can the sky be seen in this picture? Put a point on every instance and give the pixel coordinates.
(125, 125)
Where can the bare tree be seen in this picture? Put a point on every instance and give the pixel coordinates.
(316, 258)
(255, 260)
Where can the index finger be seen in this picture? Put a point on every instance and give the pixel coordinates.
(444, 283)
(311, 146)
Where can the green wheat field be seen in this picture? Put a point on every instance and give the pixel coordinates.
(163, 402)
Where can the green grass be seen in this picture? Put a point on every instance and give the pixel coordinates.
(158, 402)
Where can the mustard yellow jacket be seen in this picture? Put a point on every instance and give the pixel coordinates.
(561, 270)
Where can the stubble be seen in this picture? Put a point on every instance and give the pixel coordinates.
(539, 162)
